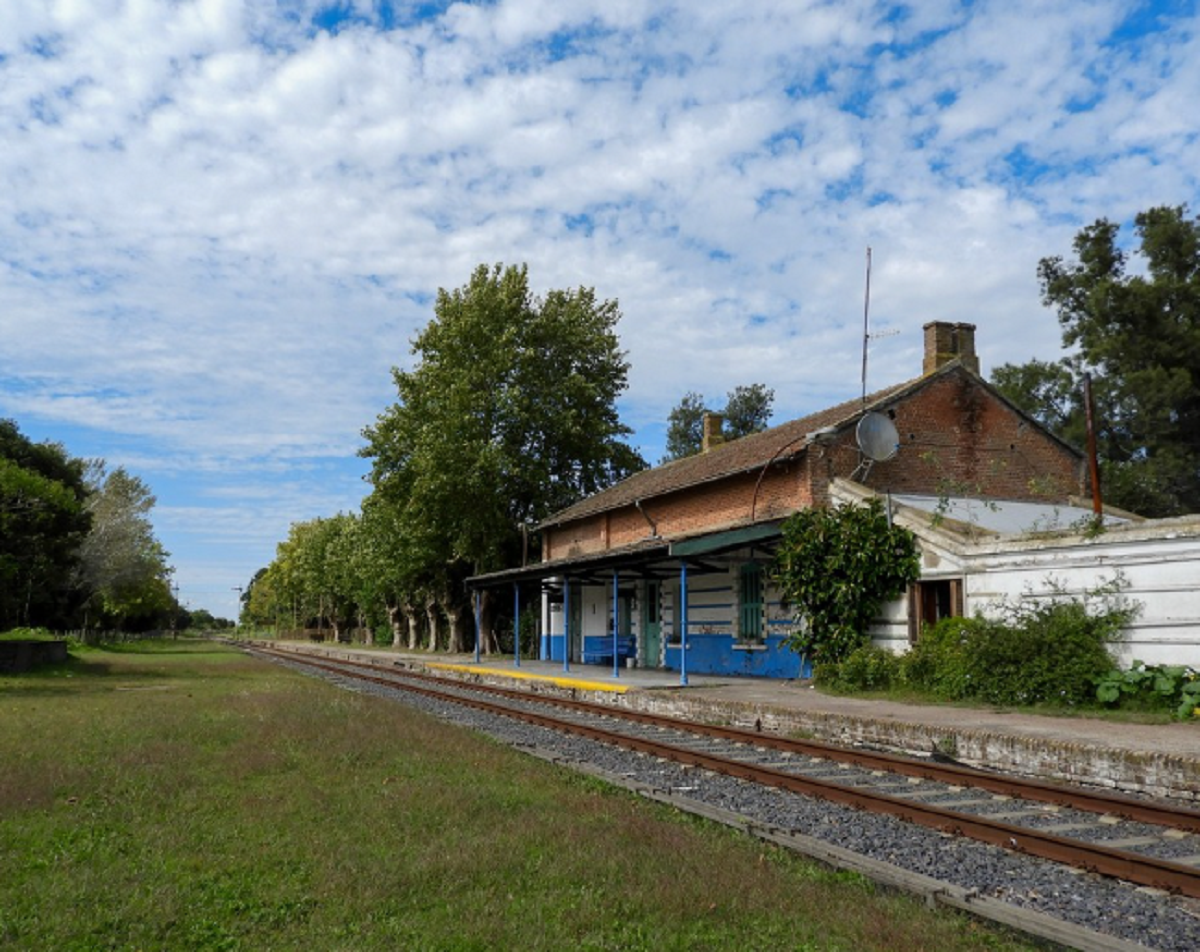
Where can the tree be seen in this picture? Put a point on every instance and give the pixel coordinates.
(202, 619)
(391, 573)
(684, 427)
(509, 414)
(1138, 337)
(312, 571)
(42, 523)
(747, 410)
(836, 567)
(123, 568)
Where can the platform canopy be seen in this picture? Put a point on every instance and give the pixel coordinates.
(650, 558)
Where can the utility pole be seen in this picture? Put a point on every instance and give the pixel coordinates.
(237, 621)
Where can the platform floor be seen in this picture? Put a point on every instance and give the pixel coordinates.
(1162, 759)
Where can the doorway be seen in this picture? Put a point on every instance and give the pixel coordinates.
(652, 625)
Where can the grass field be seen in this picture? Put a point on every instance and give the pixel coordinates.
(180, 795)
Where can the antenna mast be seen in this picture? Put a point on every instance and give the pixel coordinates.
(866, 327)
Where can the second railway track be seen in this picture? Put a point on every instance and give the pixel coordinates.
(1145, 843)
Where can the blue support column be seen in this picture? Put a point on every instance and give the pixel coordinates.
(616, 625)
(683, 624)
(478, 623)
(566, 624)
(516, 624)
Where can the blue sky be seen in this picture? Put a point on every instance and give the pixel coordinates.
(222, 221)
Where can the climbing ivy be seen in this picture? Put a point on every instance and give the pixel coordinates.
(835, 568)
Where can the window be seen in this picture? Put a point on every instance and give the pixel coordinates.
(930, 602)
(750, 603)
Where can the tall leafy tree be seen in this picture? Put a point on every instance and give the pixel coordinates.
(747, 410)
(508, 414)
(123, 567)
(43, 521)
(1136, 331)
(684, 427)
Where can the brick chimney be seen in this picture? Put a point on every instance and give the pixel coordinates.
(711, 433)
(945, 342)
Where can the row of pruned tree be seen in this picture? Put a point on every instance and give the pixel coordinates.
(76, 545)
(507, 414)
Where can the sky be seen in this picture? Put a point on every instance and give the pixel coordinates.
(223, 221)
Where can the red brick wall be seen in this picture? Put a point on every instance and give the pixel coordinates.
(782, 489)
(956, 438)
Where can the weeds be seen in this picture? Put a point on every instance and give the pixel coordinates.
(237, 805)
(1042, 649)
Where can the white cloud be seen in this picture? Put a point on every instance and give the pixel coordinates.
(219, 227)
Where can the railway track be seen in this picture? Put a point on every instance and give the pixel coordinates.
(1142, 842)
(1135, 841)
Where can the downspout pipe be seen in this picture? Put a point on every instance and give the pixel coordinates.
(637, 504)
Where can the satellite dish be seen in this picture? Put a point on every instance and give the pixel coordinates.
(877, 437)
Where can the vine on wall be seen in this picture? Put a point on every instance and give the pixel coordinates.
(835, 568)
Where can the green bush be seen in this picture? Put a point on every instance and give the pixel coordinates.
(835, 567)
(1052, 649)
(939, 663)
(867, 668)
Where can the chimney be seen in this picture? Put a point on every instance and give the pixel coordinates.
(945, 342)
(711, 433)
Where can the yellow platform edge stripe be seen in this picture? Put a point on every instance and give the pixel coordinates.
(562, 682)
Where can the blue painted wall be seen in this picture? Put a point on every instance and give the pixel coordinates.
(717, 654)
(552, 647)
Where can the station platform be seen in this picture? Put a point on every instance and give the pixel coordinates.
(1156, 759)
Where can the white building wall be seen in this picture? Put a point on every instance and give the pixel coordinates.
(1159, 560)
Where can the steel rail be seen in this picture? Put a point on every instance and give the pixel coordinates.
(1037, 791)
(1120, 864)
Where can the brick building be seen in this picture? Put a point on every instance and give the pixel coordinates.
(684, 547)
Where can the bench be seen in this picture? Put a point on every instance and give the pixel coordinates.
(598, 649)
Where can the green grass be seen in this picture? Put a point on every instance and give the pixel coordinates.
(28, 634)
(179, 795)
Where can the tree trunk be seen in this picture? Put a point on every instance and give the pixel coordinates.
(393, 617)
(414, 625)
(431, 615)
(489, 608)
(454, 618)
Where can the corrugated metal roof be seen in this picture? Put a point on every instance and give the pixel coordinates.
(1005, 517)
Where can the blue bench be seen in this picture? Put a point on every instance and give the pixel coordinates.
(598, 649)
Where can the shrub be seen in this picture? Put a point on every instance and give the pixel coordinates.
(867, 668)
(836, 567)
(939, 663)
(1047, 652)
(1051, 649)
